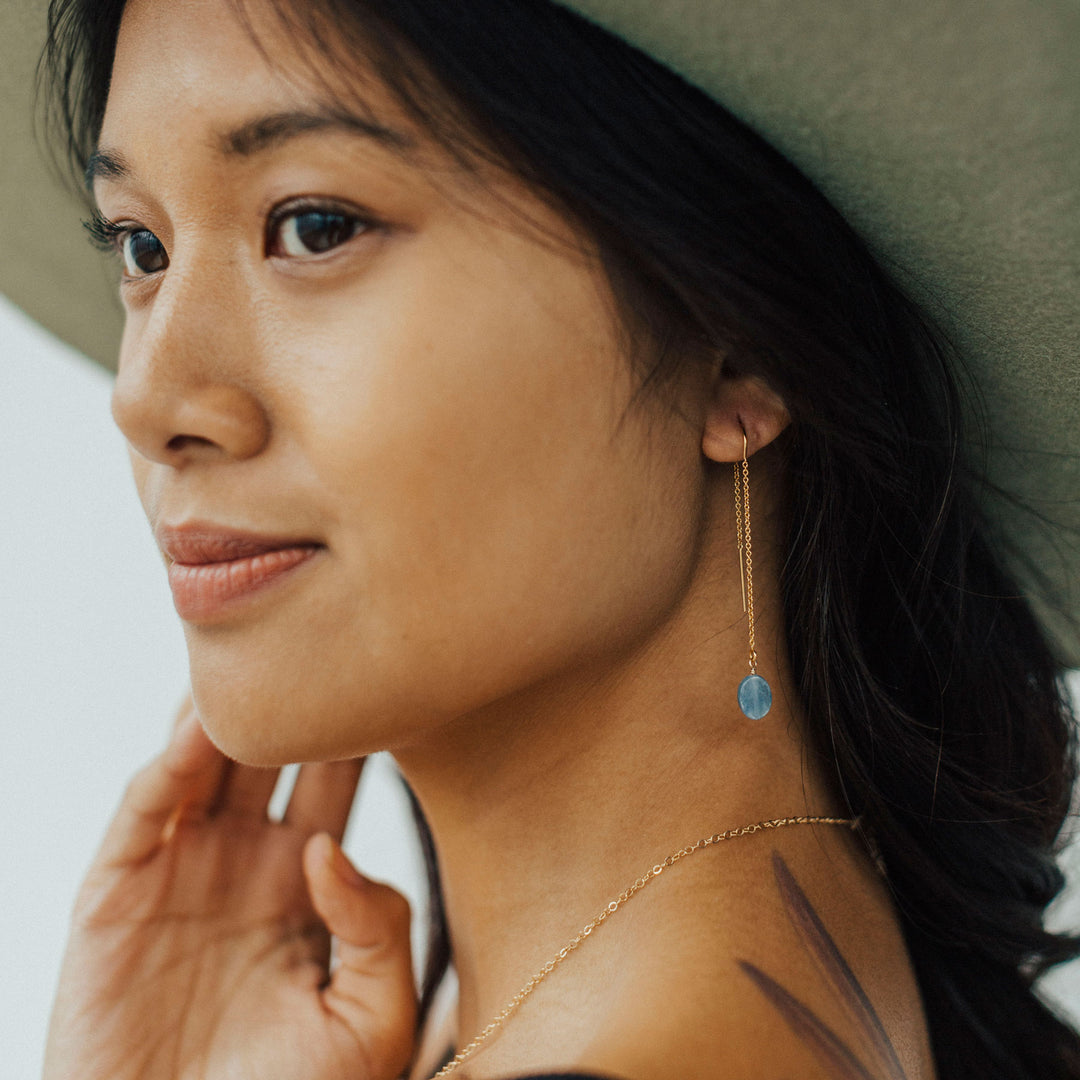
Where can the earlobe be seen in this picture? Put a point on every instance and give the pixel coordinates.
(741, 404)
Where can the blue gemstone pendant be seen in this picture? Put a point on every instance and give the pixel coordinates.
(755, 697)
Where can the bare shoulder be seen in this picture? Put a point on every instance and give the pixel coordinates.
(809, 978)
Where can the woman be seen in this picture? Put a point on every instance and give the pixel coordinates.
(500, 400)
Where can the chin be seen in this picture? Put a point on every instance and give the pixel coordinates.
(267, 723)
(245, 736)
(256, 726)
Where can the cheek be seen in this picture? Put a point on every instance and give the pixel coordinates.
(490, 520)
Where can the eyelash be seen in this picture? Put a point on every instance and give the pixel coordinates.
(108, 236)
(105, 235)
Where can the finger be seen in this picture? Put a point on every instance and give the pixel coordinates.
(180, 783)
(371, 990)
(323, 796)
(246, 789)
(186, 709)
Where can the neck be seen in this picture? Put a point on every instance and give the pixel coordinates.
(546, 806)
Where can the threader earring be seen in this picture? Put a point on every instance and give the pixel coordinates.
(755, 694)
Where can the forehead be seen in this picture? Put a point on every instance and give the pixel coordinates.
(214, 64)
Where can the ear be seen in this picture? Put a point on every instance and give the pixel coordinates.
(741, 403)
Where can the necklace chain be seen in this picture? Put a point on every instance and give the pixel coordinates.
(515, 1002)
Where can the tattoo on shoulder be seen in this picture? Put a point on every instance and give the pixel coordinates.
(834, 1054)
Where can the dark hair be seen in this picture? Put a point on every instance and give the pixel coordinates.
(927, 681)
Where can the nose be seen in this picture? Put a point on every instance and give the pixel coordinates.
(184, 390)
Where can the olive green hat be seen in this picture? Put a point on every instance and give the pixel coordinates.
(946, 131)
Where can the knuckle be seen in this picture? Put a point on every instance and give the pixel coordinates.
(140, 785)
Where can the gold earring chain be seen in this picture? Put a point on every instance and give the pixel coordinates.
(586, 931)
(749, 577)
(739, 535)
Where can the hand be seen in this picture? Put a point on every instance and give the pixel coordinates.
(200, 947)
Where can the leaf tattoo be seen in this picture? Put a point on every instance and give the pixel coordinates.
(823, 1042)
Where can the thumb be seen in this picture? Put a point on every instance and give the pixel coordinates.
(371, 989)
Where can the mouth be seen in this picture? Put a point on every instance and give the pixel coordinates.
(214, 570)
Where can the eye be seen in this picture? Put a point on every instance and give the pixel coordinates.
(142, 253)
(298, 231)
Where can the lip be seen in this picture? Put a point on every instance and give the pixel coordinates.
(214, 569)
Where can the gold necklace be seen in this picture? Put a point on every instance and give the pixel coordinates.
(677, 856)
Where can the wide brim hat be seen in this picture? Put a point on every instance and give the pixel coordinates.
(946, 131)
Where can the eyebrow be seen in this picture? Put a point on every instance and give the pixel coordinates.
(264, 133)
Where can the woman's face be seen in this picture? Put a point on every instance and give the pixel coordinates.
(340, 344)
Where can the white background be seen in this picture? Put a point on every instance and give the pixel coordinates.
(92, 666)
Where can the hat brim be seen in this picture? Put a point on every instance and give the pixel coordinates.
(46, 266)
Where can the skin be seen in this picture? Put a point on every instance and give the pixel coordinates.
(527, 589)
